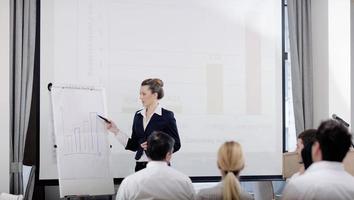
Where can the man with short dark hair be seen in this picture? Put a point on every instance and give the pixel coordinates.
(326, 177)
(157, 180)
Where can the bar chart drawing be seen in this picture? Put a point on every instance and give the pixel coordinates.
(82, 146)
(82, 138)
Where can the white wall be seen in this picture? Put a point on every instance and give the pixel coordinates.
(331, 59)
(320, 65)
(339, 58)
(352, 57)
(5, 95)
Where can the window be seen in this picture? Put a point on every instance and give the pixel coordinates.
(290, 133)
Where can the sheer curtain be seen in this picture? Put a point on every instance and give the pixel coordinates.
(22, 51)
(299, 15)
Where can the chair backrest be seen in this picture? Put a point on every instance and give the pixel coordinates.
(348, 162)
(290, 164)
(263, 190)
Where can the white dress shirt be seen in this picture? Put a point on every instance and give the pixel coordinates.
(297, 174)
(123, 138)
(322, 180)
(156, 181)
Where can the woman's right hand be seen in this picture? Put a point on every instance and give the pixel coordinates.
(112, 127)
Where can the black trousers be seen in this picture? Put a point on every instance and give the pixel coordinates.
(140, 165)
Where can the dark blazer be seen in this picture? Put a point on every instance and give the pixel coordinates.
(166, 123)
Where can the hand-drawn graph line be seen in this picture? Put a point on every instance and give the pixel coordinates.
(82, 138)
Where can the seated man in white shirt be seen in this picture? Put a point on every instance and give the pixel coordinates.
(157, 180)
(326, 177)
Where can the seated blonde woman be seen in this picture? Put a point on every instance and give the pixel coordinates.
(230, 163)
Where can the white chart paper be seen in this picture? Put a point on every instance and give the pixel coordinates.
(81, 139)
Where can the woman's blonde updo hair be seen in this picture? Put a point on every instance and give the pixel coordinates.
(155, 85)
(231, 162)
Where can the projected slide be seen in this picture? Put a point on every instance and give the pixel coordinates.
(220, 61)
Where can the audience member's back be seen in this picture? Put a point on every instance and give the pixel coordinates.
(157, 180)
(230, 162)
(326, 177)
